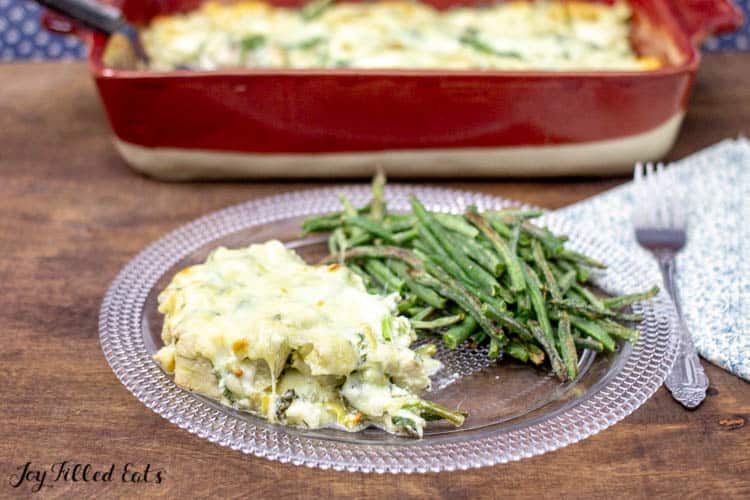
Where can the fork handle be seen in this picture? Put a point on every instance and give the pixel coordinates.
(687, 381)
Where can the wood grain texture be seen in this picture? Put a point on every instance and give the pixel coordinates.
(73, 215)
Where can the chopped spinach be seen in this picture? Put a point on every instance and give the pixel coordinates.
(228, 394)
(284, 402)
(407, 424)
(252, 42)
(470, 38)
(249, 44)
(307, 44)
(362, 347)
(314, 9)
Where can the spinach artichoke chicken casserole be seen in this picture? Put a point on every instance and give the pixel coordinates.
(329, 345)
(260, 330)
(397, 34)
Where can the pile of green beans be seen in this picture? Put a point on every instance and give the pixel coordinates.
(493, 278)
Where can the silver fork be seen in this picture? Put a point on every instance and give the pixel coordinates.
(660, 224)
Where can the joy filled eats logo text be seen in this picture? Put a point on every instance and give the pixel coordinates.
(66, 471)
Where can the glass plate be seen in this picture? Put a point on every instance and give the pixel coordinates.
(514, 411)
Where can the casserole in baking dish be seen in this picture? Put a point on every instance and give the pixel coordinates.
(396, 34)
(185, 124)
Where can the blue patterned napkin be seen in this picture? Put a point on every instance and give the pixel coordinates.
(714, 268)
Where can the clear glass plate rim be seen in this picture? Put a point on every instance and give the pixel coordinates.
(131, 363)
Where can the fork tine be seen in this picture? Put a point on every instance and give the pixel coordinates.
(666, 196)
(671, 201)
(679, 212)
(661, 196)
(652, 202)
(639, 195)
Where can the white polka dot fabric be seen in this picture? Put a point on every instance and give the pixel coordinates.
(22, 37)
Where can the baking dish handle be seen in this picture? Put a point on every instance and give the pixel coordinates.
(703, 18)
(71, 17)
(62, 25)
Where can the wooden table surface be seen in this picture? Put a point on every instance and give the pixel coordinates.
(73, 214)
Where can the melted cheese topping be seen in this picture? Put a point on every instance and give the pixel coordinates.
(543, 35)
(303, 345)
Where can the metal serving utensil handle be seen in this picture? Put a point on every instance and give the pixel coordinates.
(99, 17)
(92, 14)
(687, 381)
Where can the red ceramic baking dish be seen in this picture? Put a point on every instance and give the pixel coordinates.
(342, 122)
